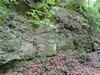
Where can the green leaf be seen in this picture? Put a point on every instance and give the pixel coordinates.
(51, 2)
(50, 14)
(13, 1)
(40, 5)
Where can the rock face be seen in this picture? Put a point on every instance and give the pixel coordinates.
(76, 31)
(19, 41)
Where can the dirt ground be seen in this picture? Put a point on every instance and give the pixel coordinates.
(63, 63)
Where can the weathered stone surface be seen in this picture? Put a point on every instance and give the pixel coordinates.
(75, 32)
(19, 41)
(9, 45)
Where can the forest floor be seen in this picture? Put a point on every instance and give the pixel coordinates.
(63, 63)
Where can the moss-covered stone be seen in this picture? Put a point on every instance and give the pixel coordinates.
(71, 31)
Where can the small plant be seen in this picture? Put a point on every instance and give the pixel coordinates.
(34, 14)
(41, 11)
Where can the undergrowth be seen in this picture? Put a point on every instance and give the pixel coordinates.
(90, 11)
(42, 15)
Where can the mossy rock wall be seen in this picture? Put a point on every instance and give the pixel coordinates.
(19, 41)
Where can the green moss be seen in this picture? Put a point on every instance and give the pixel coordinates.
(67, 47)
(64, 48)
(49, 50)
(28, 55)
